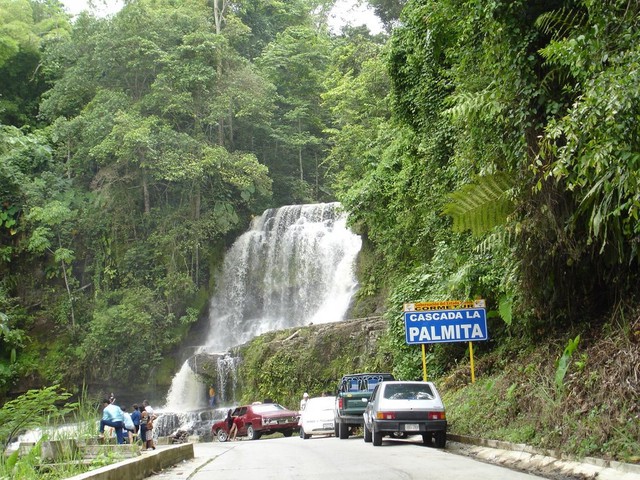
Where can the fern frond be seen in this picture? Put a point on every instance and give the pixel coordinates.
(558, 23)
(556, 78)
(467, 104)
(494, 241)
(481, 205)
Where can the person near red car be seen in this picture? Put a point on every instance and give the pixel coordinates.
(255, 420)
(232, 429)
(237, 425)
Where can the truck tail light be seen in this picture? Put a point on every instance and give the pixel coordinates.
(436, 416)
(386, 415)
(340, 403)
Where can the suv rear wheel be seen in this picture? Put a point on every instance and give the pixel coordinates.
(343, 431)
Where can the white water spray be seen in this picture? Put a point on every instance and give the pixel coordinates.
(294, 267)
(186, 392)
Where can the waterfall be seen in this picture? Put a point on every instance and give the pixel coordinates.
(227, 368)
(186, 392)
(293, 267)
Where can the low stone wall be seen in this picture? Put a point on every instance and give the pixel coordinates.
(142, 466)
(549, 463)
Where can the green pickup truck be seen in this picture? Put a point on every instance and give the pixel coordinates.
(354, 391)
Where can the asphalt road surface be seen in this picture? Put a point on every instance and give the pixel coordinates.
(325, 458)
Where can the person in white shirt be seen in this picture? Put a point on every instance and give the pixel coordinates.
(128, 424)
(147, 407)
(303, 402)
(152, 417)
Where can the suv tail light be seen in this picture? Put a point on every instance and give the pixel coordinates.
(436, 416)
(386, 415)
(340, 403)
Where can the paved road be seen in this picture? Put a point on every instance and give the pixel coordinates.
(281, 458)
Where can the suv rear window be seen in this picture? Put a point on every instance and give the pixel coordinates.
(363, 383)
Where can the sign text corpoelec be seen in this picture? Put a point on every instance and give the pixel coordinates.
(441, 326)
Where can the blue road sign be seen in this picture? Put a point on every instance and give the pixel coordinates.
(441, 326)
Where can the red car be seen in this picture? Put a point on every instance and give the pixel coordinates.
(259, 419)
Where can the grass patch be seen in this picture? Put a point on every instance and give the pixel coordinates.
(45, 411)
(591, 409)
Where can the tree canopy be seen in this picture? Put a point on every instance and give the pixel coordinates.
(482, 150)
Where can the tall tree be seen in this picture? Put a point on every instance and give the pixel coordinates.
(388, 11)
(26, 28)
(135, 112)
(296, 62)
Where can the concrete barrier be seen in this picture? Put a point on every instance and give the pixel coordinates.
(58, 450)
(90, 451)
(536, 460)
(142, 466)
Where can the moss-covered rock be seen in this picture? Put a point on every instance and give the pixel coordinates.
(282, 365)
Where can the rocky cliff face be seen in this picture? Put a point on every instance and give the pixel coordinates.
(282, 365)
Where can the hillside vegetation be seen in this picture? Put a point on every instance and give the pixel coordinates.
(567, 395)
(483, 149)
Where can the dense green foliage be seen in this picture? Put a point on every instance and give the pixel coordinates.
(484, 149)
(491, 131)
(116, 209)
(508, 171)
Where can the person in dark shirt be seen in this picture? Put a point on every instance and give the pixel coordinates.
(231, 425)
(135, 417)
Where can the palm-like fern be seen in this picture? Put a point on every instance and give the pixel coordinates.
(481, 205)
(560, 23)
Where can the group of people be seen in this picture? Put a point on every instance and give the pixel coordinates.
(139, 422)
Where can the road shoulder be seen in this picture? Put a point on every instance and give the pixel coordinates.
(528, 459)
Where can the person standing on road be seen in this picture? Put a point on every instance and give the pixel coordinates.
(303, 402)
(232, 428)
(149, 435)
(237, 425)
(128, 424)
(142, 435)
(147, 441)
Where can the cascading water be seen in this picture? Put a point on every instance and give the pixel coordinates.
(293, 267)
(226, 381)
